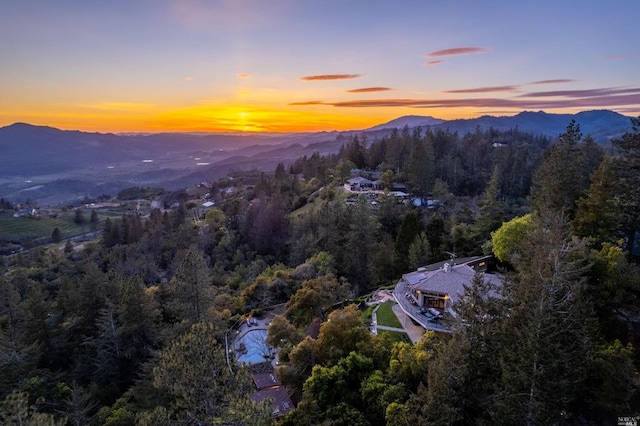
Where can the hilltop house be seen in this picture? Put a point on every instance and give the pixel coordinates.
(359, 183)
(439, 286)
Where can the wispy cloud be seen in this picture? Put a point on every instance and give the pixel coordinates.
(558, 80)
(188, 78)
(586, 93)
(634, 111)
(325, 77)
(608, 101)
(242, 75)
(484, 89)
(307, 103)
(432, 63)
(369, 90)
(455, 51)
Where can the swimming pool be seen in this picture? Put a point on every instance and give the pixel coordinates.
(252, 348)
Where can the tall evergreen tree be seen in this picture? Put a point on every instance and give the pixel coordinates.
(360, 248)
(93, 220)
(203, 389)
(546, 330)
(463, 371)
(491, 209)
(139, 319)
(419, 253)
(560, 179)
(79, 217)
(409, 230)
(596, 217)
(356, 153)
(627, 168)
(189, 294)
(420, 170)
(56, 235)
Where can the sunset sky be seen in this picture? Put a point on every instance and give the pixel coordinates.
(309, 65)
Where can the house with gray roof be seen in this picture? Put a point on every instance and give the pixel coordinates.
(359, 183)
(437, 288)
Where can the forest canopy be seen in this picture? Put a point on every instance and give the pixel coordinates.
(133, 327)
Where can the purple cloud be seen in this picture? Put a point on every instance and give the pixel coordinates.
(582, 93)
(307, 103)
(589, 102)
(369, 90)
(325, 77)
(484, 89)
(559, 80)
(455, 51)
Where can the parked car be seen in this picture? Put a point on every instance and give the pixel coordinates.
(425, 312)
(435, 313)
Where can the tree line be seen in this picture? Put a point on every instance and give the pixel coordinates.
(130, 329)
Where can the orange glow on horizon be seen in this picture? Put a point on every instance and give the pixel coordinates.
(116, 117)
(233, 118)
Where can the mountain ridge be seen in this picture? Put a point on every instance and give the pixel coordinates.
(602, 125)
(530, 119)
(33, 157)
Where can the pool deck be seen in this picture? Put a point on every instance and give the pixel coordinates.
(261, 324)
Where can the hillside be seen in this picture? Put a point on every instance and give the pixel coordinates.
(602, 125)
(53, 165)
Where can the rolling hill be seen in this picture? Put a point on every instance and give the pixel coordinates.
(53, 165)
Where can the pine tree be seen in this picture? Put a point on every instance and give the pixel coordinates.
(18, 358)
(93, 220)
(193, 371)
(360, 246)
(463, 371)
(79, 217)
(139, 319)
(419, 253)
(420, 170)
(189, 294)
(491, 210)
(56, 235)
(627, 168)
(409, 230)
(545, 329)
(560, 179)
(596, 217)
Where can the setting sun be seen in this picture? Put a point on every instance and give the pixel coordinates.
(284, 67)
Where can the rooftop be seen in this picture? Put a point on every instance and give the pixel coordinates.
(449, 280)
(265, 380)
(281, 400)
(442, 284)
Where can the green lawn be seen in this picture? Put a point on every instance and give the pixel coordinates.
(43, 226)
(366, 314)
(385, 315)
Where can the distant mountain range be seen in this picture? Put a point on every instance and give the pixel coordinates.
(53, 165)
(602, 125)
(409, 120)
